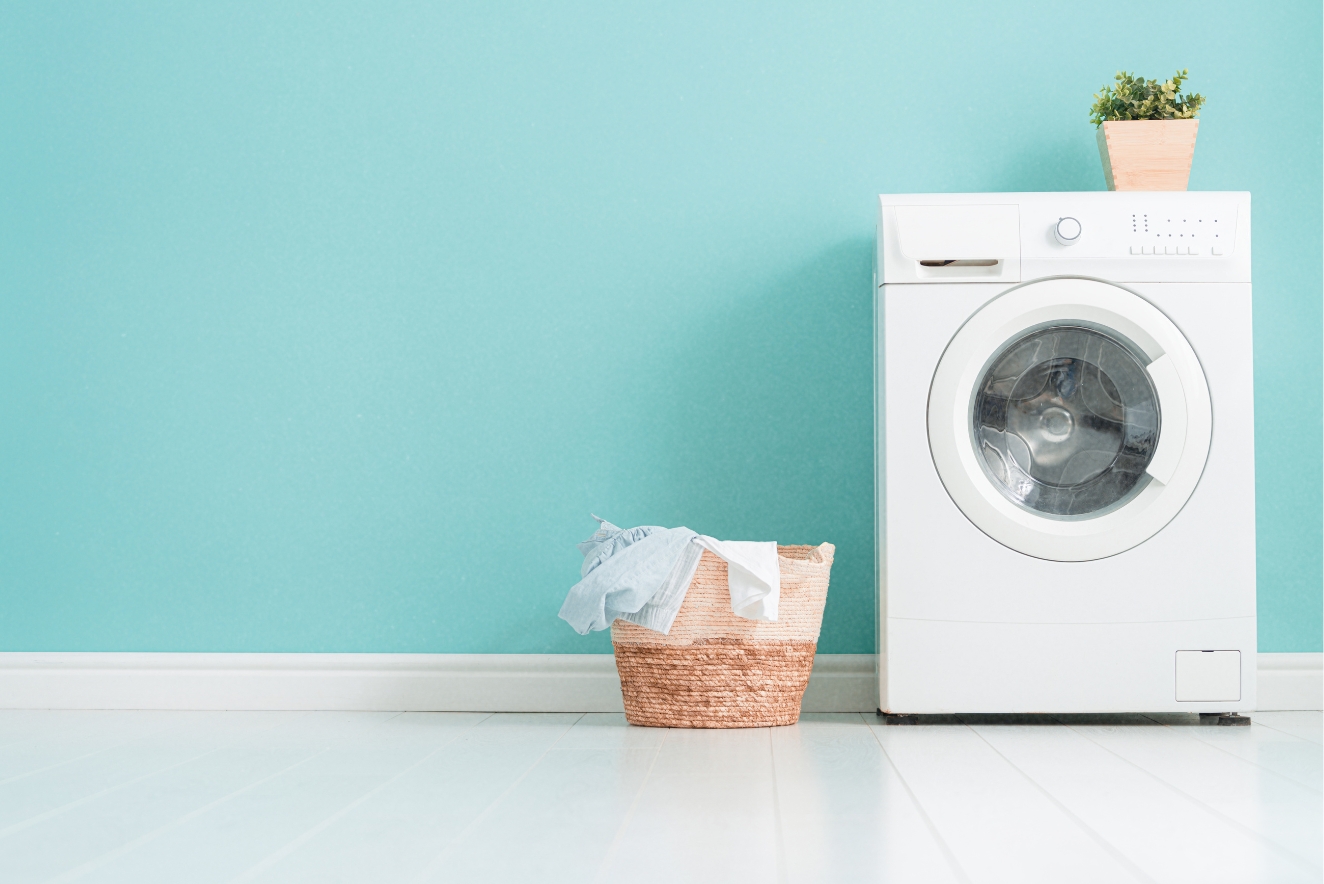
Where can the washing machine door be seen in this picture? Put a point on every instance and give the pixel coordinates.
(1069, 419)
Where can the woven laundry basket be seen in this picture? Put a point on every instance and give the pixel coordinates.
(714, 669)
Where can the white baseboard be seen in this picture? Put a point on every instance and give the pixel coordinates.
(385, 682)
(417, 682)
(1289, 681)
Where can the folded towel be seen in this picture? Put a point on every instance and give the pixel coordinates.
(640, 575)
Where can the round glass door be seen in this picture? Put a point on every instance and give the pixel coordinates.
(1066, 420)
(1069, 419)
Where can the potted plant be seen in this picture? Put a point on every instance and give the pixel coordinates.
(1146, 132)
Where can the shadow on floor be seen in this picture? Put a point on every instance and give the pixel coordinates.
(1120, 719)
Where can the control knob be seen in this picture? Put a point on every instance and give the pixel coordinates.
(1067, 231)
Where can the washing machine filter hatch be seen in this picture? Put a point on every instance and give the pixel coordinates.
(1066, 421)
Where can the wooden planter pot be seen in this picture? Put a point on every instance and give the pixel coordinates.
(1147, 154)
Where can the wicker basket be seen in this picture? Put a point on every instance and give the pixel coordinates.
(714, 669)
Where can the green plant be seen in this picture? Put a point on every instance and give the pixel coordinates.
(1135, 98)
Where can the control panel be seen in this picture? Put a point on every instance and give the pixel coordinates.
(1139, 225)
(1131, 236)
(1182, 232)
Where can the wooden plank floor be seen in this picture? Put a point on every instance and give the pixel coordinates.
(438, 797)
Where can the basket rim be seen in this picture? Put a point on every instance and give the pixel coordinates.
(806, 552)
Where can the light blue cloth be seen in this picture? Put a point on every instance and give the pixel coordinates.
(637, 574)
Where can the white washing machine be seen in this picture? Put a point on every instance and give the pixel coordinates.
(1065, 453)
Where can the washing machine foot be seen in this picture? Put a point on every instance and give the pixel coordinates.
(1227, 719)
(891, 718)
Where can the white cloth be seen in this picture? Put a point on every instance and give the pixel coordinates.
(753, 574)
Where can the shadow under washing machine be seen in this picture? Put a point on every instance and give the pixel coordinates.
(1065, 453)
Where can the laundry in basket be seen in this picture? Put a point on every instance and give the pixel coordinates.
(709, 666)
(640, 575)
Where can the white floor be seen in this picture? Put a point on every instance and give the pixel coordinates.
(382, 797)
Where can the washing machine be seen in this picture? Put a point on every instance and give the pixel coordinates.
(1065, 453)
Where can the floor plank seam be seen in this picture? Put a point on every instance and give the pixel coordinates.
(1285, 852)
(32, 773)
(943, 846)
(780, 845)
(1108, 847)
(1254, 723)
(87, 799)
(1283, 777)
(130, 846)
(629, 813)
(435, 865)
(306, 836)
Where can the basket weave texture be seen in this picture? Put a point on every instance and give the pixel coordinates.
(714, 669)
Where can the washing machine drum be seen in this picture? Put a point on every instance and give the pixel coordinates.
(1069, 419)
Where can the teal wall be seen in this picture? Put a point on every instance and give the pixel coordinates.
(325, 326)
